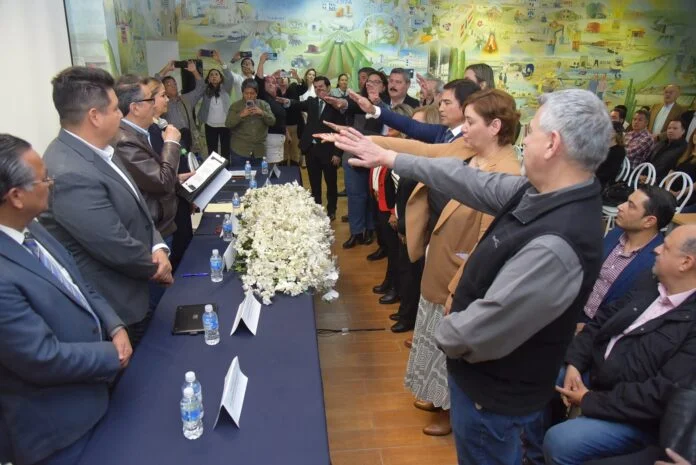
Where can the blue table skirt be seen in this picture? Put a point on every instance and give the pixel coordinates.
(287, 174)
(283, 420)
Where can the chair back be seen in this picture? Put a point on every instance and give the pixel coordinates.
(625, 170)
(687, 187)
(646, 169)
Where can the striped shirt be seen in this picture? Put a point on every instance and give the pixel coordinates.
(639, 144)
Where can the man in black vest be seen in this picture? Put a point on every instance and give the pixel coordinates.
(514, 310)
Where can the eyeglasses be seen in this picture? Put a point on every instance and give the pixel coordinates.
(47, 180)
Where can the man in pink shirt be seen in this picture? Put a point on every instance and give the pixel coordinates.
(623, 365)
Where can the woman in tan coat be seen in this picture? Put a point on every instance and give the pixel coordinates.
(489, 128)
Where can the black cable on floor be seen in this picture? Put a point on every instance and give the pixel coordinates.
(333, 332)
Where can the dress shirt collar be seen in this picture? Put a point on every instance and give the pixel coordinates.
(106, 153)
(624, 239)
(136, 127)
(17, 236)
(668, 107)
(456, 131)
(673, 300)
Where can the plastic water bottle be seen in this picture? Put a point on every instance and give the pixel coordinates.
(264, 167)
(191, 415)
(210, 325)
(252, 184)
(216, 266)
(236, 203)
(247, 170)
(193, 383)
(227, 228)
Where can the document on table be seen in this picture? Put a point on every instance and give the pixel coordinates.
(203, 199)
(249, 311)
(233, 393)
(242, 174)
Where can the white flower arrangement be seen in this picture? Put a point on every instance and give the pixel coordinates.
(284, 242)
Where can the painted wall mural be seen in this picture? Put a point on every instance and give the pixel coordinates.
(622, 50)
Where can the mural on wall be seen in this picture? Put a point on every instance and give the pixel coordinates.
(622, 50)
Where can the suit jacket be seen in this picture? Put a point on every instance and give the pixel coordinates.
(664, 156)
(55, 365)
(643, 261)
(155, 174)
(674, 113)
(315, 124)
(104, 224)
(424, 132)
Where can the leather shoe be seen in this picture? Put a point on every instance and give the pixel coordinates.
(382, 288)
(441, 426)
(425, 405)
(391, 297)
(332, 217)
(408, 343)
(369, 236)
(394, 316)
(353, 240)
(344, 219)
(378, 254)
(401, 327)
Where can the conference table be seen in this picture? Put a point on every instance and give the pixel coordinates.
(282, 421)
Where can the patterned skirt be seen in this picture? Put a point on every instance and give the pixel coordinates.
(426, 373)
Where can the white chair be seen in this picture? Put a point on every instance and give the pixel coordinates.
(625, 170)
(686, 189)
(609, 212)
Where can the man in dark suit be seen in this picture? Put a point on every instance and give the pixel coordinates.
(96, 210)
(61, 343)
(399, 82)
(321, 158)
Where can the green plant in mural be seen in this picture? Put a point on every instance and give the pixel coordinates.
(630, 100)
(462, 66)
(453, 68)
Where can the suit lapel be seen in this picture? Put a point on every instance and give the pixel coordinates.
(22, 257)
(449, 209)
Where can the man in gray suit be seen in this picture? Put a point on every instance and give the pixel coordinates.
(96, 210)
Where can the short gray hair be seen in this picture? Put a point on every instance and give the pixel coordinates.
(14, 172)
(688, 247)
(583, 123)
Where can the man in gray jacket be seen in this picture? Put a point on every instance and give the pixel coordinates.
(527, 280)
(96, 210)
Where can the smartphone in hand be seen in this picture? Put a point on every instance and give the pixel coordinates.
(272, 56)
(206, 53)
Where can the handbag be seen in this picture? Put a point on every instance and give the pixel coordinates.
(616, 194)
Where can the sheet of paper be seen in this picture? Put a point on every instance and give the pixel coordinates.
(233, 393)
(248, 311)
(204, 171)
(229, 255)
(219, 208)
(276, 171)
(203, 199)
(192, 162)
(241, 174)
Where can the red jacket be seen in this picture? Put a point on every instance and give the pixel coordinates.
(381, 192)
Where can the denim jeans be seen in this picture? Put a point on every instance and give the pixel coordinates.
(360, 214)
(582, 439)
(483, 437)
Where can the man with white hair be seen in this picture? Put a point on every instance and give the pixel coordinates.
(514, 309)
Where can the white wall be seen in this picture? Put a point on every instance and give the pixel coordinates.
(34, 48)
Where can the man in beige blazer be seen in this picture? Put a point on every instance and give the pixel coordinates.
(662, 113)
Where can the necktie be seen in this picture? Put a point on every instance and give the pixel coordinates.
(449, 136)
(321, 106)
(31, 244)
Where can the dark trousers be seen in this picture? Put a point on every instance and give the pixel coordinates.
(69, 455)
(374, 209)
(391, 244)
(136, 331)
(183, 234)
(410, 275)
(318, 164)
(215, 135)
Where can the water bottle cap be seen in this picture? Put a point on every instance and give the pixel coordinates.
(208, 308)
(188, 392)
(190, 376)
(216, 252)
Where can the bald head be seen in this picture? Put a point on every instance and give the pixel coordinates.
(671, 94)
(675, 264)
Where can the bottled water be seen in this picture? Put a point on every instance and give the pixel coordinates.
(227, 228)
(252, 183)
(193, 383)
(210, 325)
(264, 167)
(216, 266)
(191, 415)
(236, 203)
(247, 170)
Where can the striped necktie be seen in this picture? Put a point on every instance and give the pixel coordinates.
(449, 136)
(31, 244)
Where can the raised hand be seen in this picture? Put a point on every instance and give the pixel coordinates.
(337, 103)
(364, 104)
(191, 66)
